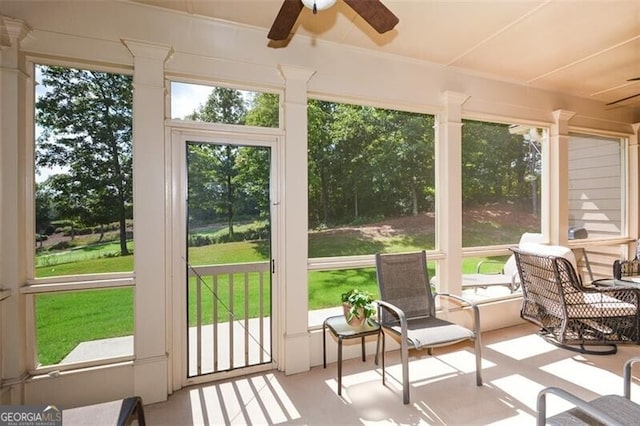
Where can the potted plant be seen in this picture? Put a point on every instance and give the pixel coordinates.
(357, 306)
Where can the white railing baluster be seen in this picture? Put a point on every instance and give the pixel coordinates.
(250, 339)
(261, 315)
(246, 318)
(199, 326)
(214, 323)
(231, 322)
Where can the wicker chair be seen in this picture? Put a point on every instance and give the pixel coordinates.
(569, 314)
(407, 311)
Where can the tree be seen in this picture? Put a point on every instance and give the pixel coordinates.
(494, 163)
(223, 106)
(45, 211)
(265, 111)
(85, 118)
(321, 152)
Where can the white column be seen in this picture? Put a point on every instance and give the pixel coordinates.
(294, 353)
(449, 191)
(13, 226)
(633, 188)
(557, 185)
(150, 378)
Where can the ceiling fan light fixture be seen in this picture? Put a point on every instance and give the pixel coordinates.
(317, 5)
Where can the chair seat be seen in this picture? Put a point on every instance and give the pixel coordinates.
(430, 332)
(618, 407)
(598, 305)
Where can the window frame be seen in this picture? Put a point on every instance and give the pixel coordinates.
(64, 283)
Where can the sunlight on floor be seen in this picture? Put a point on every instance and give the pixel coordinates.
(517, 364)
(256, 400)
(579, 372)
(523, 347)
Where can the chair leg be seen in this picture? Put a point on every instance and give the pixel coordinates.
(404, 355)
(383, 349)
(478, 352)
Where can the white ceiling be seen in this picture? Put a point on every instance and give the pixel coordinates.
(588, 48)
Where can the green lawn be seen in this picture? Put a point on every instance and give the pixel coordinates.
(66, 319)
(97, 258)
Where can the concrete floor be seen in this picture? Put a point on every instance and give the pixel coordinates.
(517, 364)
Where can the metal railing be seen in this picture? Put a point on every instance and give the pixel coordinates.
(229, 317)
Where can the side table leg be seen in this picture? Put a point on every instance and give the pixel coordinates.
(363, 349)
(383, 377)
(324, 344)
(339, 365)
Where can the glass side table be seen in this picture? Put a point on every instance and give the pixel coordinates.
(338, 326)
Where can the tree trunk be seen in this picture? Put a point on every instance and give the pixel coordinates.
(124, 250)
(122, 221)
(325, 196)
(355, 203)
(230, 208)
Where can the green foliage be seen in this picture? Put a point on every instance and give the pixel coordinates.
(253, 231)
(226, 183)
(495, 162)
(85, 117)
(358, 301)
(265, 111)
(367, 162)
(224, 105)
(45, 209)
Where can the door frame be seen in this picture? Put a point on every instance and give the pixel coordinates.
(178, 134)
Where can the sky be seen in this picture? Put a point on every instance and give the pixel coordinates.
(185, 98)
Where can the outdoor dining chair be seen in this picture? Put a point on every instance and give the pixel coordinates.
(407, 311)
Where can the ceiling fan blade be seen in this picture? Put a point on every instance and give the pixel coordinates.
(286, 18)
(623, 99)
(634, 79)
(375, 13)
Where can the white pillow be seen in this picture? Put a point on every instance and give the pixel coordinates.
(532, 237)
(510, 268)
(545, 250)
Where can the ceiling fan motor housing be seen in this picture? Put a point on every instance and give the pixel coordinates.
(317, 5)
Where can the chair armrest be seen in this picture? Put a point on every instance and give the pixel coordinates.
(579, 403)
(473, 305)
(394, 309)
(483, 262)
(456, 297)
(627, 375)
(397, 312)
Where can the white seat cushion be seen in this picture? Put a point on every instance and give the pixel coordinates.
(597, 305)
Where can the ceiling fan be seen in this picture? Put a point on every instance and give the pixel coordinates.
(627, 97)
(373, 11)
